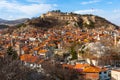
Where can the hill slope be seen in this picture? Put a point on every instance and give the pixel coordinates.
(53, 19)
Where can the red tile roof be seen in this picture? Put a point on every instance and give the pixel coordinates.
(30, 58)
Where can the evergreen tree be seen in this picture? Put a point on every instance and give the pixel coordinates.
(73, 53)
(12, 52)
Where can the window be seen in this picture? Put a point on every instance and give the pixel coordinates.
(105, 72)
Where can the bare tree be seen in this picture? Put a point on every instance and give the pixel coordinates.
(14, 70)
(56, 71)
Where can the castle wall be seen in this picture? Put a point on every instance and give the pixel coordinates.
(60, 16)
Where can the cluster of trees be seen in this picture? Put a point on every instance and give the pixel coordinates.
(56, 71)
(73, 53)
(11, 68)
(55, 11)
(109, 54)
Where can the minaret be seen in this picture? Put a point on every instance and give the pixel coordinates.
(20, 46)
(11, 40)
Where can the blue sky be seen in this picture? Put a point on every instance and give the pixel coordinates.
(15, 9)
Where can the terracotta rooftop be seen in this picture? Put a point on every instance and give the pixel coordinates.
(81, 66)
(31, 59)
(94, 69)
(43, 51)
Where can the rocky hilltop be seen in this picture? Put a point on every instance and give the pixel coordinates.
(58, 18)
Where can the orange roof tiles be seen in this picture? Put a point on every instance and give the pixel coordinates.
(36, 48)
(25, 48)
(30, 58)
(78, 66)
(43, 51)
(94, 69)
(87, 68)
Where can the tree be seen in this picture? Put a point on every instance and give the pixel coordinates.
(11, 52)
(73, 53)
(74, 49)
(12, 69)
(82, 51)
(57, 72)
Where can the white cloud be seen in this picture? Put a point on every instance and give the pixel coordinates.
(88, 11)
(115, 19)
(13, 10)
(34, 8)
(90, 2)
(116, 11)
(110, 3)
(35, 1)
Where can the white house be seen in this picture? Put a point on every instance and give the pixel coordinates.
(115, 74)
(31, 61)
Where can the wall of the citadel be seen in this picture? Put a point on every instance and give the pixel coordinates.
(60, 16)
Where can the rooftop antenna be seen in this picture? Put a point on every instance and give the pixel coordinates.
(92, 10)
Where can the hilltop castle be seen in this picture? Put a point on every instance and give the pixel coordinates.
(57, 14)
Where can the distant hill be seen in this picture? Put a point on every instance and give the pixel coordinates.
(57, 19)
(12, 22)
